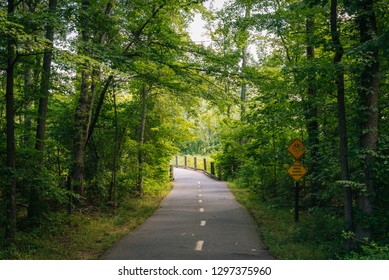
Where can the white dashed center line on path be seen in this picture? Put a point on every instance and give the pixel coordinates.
(200, 201)
(199, 245)
(202, 223)
(201, 210)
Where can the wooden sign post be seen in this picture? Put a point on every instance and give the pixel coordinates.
(297, 171)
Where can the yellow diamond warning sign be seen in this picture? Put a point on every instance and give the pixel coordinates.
(297, 171)
(296, 149)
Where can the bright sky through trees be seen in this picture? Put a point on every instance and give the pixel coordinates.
(197, 31)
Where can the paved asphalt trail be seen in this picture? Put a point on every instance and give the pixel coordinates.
(198, 220)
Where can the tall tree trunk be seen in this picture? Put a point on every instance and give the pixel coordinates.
(94, 78)
(30, 76)
(311, 113)
(115, 153)
(243, 91)
(243, 87)
(84, 123)
(10, 225)
(368, 94)
(28, 90)
(142, 128)
(343, 140)
(45, 82)
(80, 136)
(81, 119)
(34, 208)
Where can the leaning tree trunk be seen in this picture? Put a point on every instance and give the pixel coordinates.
(368, 94)
(99, 106)
(84, 121)
(142, 128)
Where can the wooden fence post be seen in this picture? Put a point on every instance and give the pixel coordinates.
(220, 171)
(186, 162)
(171, 173)
(195, 163)
(212, 168)
(205, 164)
(176, 161)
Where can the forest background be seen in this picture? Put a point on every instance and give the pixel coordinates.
(97, 97)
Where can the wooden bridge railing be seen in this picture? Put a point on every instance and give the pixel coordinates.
(204, 165)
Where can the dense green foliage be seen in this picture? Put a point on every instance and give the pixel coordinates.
(293, 93)
(93, 104)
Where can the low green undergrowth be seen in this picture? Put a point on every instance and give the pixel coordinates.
(86, 234)
(370, 251)
(316, 236)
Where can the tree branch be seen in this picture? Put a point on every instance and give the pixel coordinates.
(140, 30)
(98, 108)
